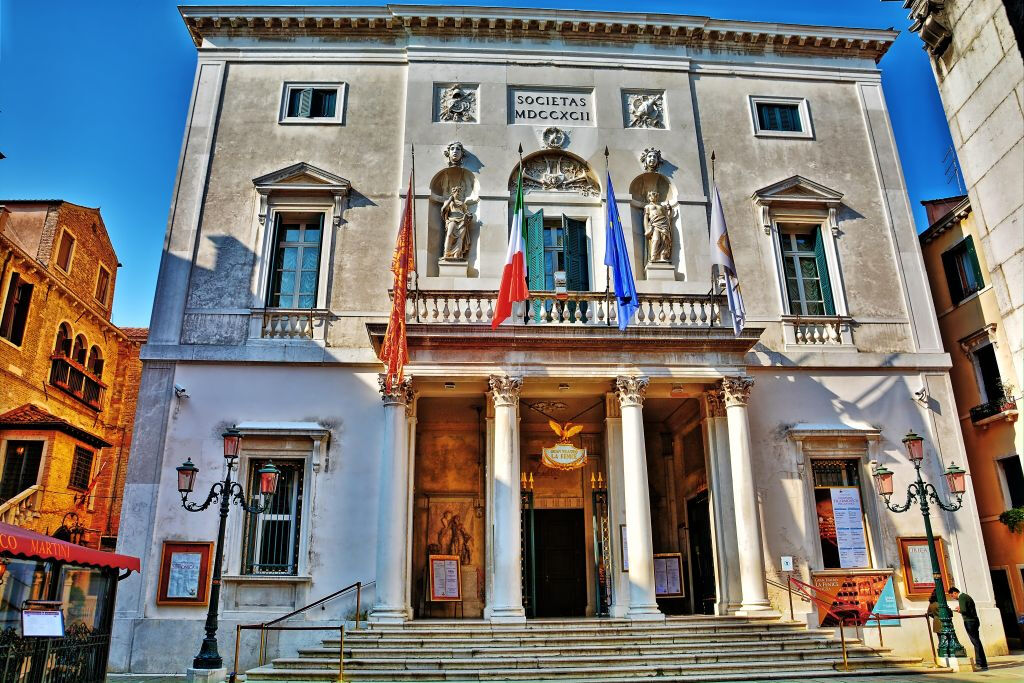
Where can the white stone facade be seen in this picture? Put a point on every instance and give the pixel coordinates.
(302, 382)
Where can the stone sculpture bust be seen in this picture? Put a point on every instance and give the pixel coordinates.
(658, 229)
(455, 152)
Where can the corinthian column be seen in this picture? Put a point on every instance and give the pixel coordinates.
(640, 543)
(744, 496)
(506, 598)
(393, 514)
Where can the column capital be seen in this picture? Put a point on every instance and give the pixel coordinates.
(631, 389)
(714, 403)
(736, 390)
(505, 389)
(400, 394)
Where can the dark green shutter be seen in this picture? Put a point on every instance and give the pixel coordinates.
(822, 262)
(273, 301)
(574, 250)
(535, 258)
(956, 288)
(305, 102)
(972, 257)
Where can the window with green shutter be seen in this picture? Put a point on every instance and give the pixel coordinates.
(312, 103)
(780, 117)
(552, 245)
(963, 273)
(804, 263)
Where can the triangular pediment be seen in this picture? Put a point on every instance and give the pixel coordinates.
(301, 175)
(798, 189)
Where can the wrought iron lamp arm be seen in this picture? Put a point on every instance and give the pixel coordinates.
(948, 507)
(214, 497)
(913, 491)
(238, 494)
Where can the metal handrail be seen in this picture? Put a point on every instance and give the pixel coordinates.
(358, 585)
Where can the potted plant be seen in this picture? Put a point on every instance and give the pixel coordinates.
(1013, 519)
(1008, 400)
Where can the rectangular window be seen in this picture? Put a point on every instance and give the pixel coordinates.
(295, 273)
(21, 467)
(15, 311)
(271, 543)
(781, 117)
(312, 103)
(65, 250)
(102, 285)
(963, 274)
(988, 370)
(840, 513)
(1013, 477)
(81, 469)
(808, 288)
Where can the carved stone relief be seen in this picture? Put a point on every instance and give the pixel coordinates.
(658, 228)
(557, 172)
(457, 104)
(631, 389)
(645, 109)
(455, 152)
(650, 159)
(555, 138)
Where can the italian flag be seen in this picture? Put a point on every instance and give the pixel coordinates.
(513, 278)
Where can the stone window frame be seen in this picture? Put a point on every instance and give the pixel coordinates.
(1004, 487)
(803, 108)
(840, 441)
(277, 440)
(970, 345)
(338, 119)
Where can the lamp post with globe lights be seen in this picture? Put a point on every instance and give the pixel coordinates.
(921, 491)
(223, 492)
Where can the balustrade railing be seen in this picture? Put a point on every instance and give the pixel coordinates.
(23, 506)
(578, 309)
(76, 380)
(289, 323)
(817, 330)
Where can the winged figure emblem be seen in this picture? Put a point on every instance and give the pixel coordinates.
(565, 431)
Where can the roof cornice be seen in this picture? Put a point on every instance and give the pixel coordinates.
(203, 21)
(947, 221)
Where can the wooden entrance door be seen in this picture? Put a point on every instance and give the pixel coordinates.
(560, 549)
(702, 564)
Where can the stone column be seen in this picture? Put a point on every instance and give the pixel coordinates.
(616, 502)
(723, 517)
(640, 544)
(392, 505)
(744, 497)
(506, 597)
(410, 414)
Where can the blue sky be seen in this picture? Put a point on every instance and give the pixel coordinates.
(94, 98)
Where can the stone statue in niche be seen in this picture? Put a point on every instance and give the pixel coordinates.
(646, 110)
(650, 159)
(458, 105)
(457, 219)
(658, 229)
(455, 152)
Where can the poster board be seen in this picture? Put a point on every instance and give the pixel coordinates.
(42, 622)
(843, 539)
(917, 565)
(185, 573)
(668, 575)
(871, 592)
(445, 578)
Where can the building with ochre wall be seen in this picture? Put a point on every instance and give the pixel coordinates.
(68, 376)
(729, 451)
(987, 398)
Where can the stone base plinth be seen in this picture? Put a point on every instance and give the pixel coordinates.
(206, 675)
(661, 271)
(956, 663)
(452, 268)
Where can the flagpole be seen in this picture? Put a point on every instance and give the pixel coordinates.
(607, 269)
(714, 266)
(416, 254)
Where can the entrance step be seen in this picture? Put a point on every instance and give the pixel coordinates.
(599, 650)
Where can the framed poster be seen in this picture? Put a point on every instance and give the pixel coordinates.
(870, 592)
(668, 575)
(917, 565)
(841, 527)
(624, 543)
(185, 573)
(42, 618)
(445, 578)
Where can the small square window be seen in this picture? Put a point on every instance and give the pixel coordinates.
(81, 469)
(781, 117)
(102, 285)
(312, 103)
(65, 249)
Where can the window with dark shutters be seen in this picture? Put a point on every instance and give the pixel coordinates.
(21, 467)
(963, 273)
(15, 310)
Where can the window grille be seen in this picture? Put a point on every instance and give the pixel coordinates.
(271, 543)
(836, 472)
(81, 469)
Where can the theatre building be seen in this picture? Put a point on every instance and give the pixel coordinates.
(555, 467)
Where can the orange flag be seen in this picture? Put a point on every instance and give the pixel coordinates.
(395, 350)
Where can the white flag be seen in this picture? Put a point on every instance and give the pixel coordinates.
(721, 255)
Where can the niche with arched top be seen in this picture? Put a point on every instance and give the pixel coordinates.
(639, 190)
(441, 186)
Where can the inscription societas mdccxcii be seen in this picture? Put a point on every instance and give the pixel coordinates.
(545, 106)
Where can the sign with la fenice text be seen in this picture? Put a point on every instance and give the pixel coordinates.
(561, 107)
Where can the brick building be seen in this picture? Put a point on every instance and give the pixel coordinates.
(68, 376)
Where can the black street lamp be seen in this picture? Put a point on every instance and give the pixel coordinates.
(921, 491)
(222, 492)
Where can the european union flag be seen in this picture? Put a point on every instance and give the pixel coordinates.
(616, 257)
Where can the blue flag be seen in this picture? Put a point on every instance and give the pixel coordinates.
(616, 257)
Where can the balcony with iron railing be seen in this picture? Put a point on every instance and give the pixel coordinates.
(1003, 407)
(77, 381)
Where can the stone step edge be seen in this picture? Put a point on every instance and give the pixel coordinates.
(756, 647)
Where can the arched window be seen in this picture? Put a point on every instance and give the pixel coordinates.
(63, 345)
(95, 364)
(79, 350)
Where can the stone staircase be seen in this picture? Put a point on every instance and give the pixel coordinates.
(604, 650)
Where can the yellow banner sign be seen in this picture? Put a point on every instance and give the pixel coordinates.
(564, 456)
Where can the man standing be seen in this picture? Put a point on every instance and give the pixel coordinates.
(969, 612)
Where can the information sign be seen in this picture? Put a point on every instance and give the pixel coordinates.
(445, 578)
(42, 622)
(849, 523)
(668, 575)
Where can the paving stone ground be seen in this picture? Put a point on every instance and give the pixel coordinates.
(1001, 670)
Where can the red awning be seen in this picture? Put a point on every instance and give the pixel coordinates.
(18, 542)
